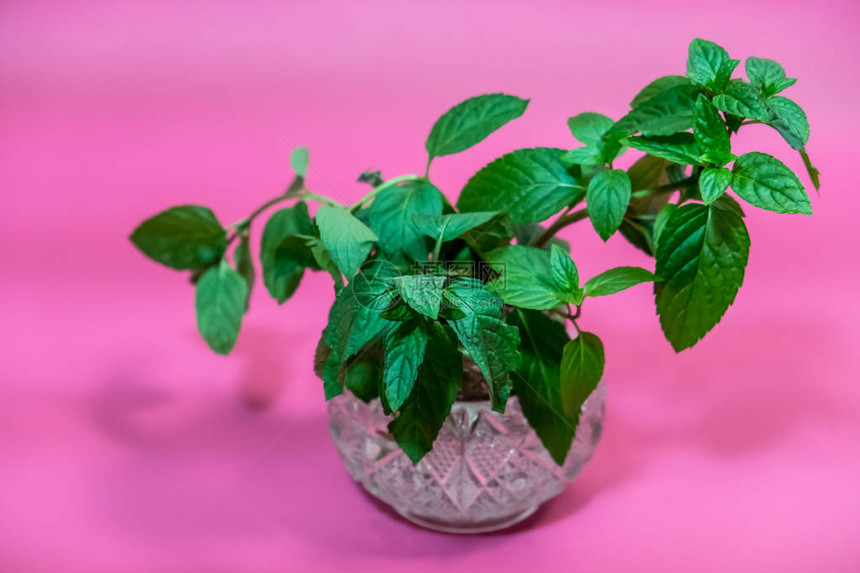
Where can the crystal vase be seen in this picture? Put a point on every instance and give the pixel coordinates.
(486, 471)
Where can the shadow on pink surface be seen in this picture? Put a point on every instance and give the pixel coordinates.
(185, 471)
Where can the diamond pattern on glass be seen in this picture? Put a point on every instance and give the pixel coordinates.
(486, 470)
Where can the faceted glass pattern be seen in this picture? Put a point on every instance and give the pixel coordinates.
(487, 471)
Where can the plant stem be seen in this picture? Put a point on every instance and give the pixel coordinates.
(559, 224)
(386, 185)
(296, 190)
(668, 187)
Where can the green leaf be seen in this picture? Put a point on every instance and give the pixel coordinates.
(283, 251)
(449, 227)
(325, 262)
(490, 235)
(743, 100)
(220, 303)
(811, 170)
(709, 64)
(564, 273)
(347, 239)
(422, 292)
(665, 113)
(300, 159)
(362, 375)
(639, 221)
(590, 154)
(529, 184)
(525, 277)
(491, 343)
(657, 86)
(790, 121)
(589, 128)
(404, 344)
(425, 411)
(660, 221)
(616, 280)
(392, 212)
(608, 196)
(767, 76)
(710, 133)
(185, 237)
(678, 148)
(355, 319)
(472, 121)
(538, 382)
(701, 256)
(766, 182)
(581, 370)
(713, 182)
(244, 264)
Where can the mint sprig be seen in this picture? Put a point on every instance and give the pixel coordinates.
(423, 287)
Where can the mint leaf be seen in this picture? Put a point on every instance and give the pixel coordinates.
(701, 256)
(767, 76)
(325, 262)
(347, 239)
(581, 370)
(741, 99)
(300, 159)
(423, 413)
(790, 121)
(529, 184)
(422, 293)
(491, 343)
(220, 298)
(657, 86)
(713, 182)
(709, 64)
(660, 221)
(404, 344)
(187, 237)
(490, 235)
(472, 121)
(608, 196)
(766, 182)
(616, 280)
(283, 262)
(678, 148)
(564, 274)
(362, 375)
(538, 382)
(665, 113)
(525, 277)
(589, 128)
(354, 320)
(811, 170)
(449, 227)
(710, 133)
(244, 265)
(392, 212)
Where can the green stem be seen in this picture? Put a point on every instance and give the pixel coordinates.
(390, 183)
(296, 190)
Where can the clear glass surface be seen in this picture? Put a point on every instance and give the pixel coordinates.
(487, 471)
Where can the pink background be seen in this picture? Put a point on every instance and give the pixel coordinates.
(126, 445)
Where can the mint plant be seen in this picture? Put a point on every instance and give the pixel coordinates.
(421, 285)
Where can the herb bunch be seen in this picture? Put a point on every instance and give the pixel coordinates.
(421, 284)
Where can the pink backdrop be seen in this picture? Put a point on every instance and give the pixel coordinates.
(126, 445)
